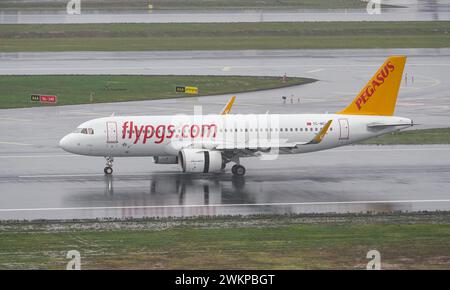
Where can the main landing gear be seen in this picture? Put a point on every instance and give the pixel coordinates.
(109, 163)
(238, 170)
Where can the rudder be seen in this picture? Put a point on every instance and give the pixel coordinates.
(379, 95)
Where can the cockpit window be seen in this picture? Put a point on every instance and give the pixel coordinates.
(88, 131)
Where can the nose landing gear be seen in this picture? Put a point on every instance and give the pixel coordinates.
(109, 163)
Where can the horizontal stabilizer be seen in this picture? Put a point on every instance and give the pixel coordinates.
(385, 125)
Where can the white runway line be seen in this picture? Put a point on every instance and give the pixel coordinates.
(39, 156)
(315, 70)
(61, 175)
(14, 119)
(224, 205)
(14, 143)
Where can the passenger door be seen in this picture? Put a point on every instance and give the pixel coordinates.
(111, 132)
(344, 129)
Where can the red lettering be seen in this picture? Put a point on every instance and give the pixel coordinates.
(149, 131)
(380, 78)
(183, 131)
(358, 103)
(369, 91)
(390, 66)
(130, 135)
(375, 84)
(124, 129)
(207, 129)
(160, 134)
(138, 133)
(171, 130)
(385, 72)
(195, 130)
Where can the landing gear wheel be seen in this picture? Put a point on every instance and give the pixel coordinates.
(238, 170)
(108, 170)
(109, 163)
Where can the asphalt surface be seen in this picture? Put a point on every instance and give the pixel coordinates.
(39, 180)
(424, 95)
(424, 10)
(351, 179)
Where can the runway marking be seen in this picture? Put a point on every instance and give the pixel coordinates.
(61, 175)
(38, 156)
(315, 70)
(223, 205)
(15, 143)
(88, 114)
(14, 119)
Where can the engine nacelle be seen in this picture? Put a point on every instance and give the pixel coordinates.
(197, 160)
(165, 159)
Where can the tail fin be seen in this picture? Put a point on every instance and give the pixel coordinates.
(379, 95)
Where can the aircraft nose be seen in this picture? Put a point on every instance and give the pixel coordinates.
(65, 143)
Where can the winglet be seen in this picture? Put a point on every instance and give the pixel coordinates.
(319, 137)
(228, 106)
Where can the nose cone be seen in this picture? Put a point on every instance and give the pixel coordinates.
(67, 143)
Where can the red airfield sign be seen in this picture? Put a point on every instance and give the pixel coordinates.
(44, 99)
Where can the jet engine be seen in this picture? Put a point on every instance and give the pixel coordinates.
(199, 160)
(165, 159)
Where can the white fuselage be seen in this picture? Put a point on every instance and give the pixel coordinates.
(119, 136)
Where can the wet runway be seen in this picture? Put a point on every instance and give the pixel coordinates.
(39, 180)
(430, 10)
(348, 179)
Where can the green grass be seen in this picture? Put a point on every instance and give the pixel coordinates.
(76, 89)
(217, 36)
(413, 137)
(186, 4)
(241, 243)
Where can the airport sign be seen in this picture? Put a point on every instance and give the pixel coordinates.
(187, 90)
(44, 99)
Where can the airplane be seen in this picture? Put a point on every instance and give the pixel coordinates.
(207, 143)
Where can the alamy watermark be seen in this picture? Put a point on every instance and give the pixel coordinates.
(75, 260)
(373, 7)
(375, 262)
(74, 7)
